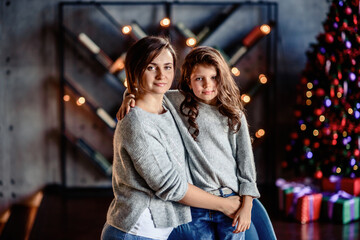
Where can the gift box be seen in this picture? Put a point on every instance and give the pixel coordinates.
(331, 184)
(308, 208)
(340, 207)
(285, 193)
(351, 185)
(335, 183)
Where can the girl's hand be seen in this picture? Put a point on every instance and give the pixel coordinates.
(128, 102)
(231, 206)
(243, 216)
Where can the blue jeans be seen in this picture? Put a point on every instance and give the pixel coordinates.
(207, 225)
(261, 226)
(111, 233)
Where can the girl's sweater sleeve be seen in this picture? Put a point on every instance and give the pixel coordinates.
(245, 161)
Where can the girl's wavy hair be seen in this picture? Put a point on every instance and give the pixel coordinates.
(140, 55)
(228, 98)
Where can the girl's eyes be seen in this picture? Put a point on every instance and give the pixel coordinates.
(150, 68)
(200, 78)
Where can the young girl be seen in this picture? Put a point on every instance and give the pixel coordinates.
(221, 157)
(210, 118)
(149, 167)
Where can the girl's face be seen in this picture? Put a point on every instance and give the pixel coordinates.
(203, 82)
(159, 74)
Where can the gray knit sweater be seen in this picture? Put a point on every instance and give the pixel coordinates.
(149, 171)
(220, 158)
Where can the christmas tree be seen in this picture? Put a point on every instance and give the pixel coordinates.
(326, 140)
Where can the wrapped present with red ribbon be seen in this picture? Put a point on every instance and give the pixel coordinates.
(351, 185)
(341, 207)
(308, 208)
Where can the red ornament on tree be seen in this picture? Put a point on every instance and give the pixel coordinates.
(348, 11)
(329, 38)
(320, 92)
(297, 113)
(318, 174)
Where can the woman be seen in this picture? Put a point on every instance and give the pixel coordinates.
(150, 173)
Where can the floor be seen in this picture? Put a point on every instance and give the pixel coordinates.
(80, 214)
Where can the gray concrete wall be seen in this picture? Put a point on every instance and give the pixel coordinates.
(29, 86)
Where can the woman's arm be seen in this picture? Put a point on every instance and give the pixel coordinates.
(196, 197)
(152, 163)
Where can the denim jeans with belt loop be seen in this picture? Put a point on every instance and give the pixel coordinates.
(207, 225)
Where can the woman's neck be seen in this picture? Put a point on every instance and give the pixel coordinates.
(150, 103)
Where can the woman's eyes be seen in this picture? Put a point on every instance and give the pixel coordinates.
(152, 68)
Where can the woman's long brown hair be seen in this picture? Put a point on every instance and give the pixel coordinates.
(228, 98)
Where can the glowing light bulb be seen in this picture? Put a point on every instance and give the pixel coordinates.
(338, 170)
(126, 29)
(303, 127)
(235, 71)
(357, 114)
(66, 98)
(308, 102)
(309, 85)
(355, 167)
(322, 118)
(191, 42)
(118, 65)
(350, 111)
(328, 102)
(245, 98)
(316, 132)
(352, 161)
(165, 22)
(80, 101)
(265, 29)
(263, 79)
(309, 94)
(260, 133)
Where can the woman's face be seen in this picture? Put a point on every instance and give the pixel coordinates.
(159, 74)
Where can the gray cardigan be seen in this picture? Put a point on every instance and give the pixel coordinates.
(149, 171)
(220, 158)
